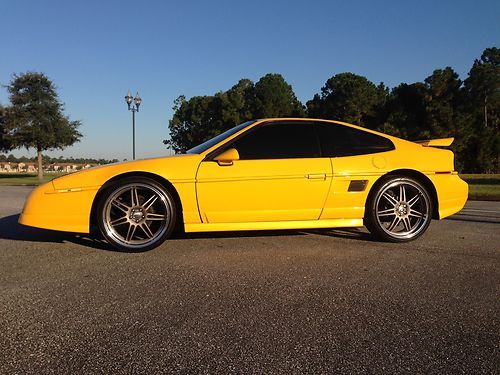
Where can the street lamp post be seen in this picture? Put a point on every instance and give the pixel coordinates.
(137, 101)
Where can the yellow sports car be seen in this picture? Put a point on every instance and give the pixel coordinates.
(264, 174)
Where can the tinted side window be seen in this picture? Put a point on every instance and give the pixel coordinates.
(339, 140)
(278, 141)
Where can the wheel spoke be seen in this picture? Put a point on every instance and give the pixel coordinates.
(418, 214)
(394, 224)
(120, 205)
(390, 198)
(402, 193)
(149, 202)
(134, 196)
(147, 231)
(388, 212)
(130, 232)
(120, 221)
(406, 223)
(413, 200)
(150, 216)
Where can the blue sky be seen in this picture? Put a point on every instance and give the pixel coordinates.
(96, 50)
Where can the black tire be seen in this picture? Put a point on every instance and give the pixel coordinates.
(399, 209)
(136, 214)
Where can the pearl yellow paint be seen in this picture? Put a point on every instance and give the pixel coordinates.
(254, 194)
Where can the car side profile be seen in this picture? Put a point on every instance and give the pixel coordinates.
(280, 173)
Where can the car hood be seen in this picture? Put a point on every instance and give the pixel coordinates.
(172, 168)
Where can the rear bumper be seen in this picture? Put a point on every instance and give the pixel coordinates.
(452, 193)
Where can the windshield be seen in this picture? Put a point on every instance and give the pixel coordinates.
(213, 141)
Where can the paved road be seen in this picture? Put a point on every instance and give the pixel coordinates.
(280, 302)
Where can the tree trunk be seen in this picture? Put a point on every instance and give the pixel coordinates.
(485, 111)
(40, 165)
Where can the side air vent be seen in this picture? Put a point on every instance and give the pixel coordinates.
(357, 185)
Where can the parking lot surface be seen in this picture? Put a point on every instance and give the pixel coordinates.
(330, 301)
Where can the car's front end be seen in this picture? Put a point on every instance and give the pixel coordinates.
(59, 209)
(66, 202)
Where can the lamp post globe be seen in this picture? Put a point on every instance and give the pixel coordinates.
(137, 101)
(128, 99)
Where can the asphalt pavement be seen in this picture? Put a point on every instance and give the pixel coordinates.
(292, 302)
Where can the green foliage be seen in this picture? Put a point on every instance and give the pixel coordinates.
(482, 85)
(441, 102)
(405, 111)
(482, 108)
(236, 103)
(274, 97)
(348, 97)
(441, 106)
(194, 121)
(202, 117)
(5, 143)
(35, 118)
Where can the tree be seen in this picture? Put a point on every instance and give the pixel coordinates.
(441, 106)
(35, 118)
(482, 104)
(483, 85)
(444, 114)
(194, 121)
(405, 111)
(348, 97)
(5, 143)
(442, 101)
(236, 103)
(274, 97)
(202, 117)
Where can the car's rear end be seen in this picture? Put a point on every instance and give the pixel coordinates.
(451, 190)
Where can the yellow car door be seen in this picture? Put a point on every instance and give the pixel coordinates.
(276, 174)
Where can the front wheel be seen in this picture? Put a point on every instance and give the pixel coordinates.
(400, 210)
(136, 214)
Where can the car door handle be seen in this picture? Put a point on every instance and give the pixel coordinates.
(317, 176)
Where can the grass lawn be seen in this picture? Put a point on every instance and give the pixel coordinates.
(481, 186)
(26, 178)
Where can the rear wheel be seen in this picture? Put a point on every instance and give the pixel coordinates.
(136, 214)
(400, 210)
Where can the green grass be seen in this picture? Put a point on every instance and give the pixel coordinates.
(481, 186)
(484, 192)
(26, 178)
(481, 179)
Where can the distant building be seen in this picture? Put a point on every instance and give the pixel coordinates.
(30, 168)
(9, 167)
(63, 167)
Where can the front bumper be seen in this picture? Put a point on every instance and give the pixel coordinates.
(65, 210)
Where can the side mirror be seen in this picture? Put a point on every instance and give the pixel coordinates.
(227, 157)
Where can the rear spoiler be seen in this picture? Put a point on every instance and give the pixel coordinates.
(440, 142)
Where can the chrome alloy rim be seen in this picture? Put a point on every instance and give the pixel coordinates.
(402, 209)
(136, 214)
